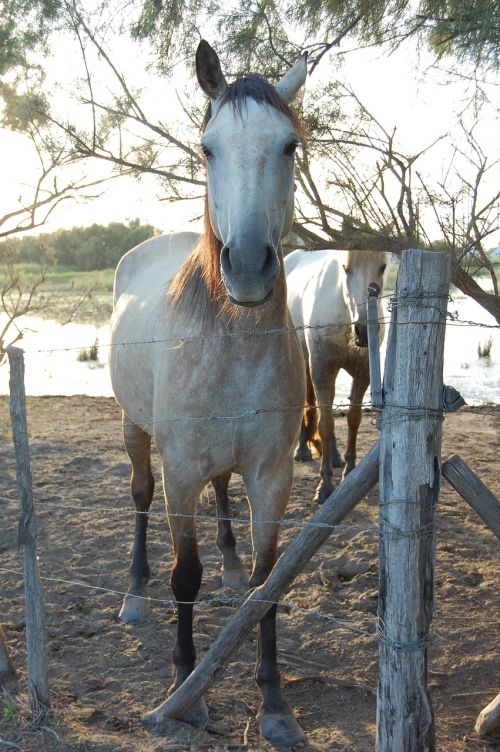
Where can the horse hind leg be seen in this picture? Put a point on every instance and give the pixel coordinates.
(324, 386)
(234, 574)
(138, 445)
(360, 384)
(308, 425)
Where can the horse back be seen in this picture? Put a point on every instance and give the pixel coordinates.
(159, 257)
(315, 284)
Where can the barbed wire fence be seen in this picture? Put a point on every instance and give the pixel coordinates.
(376, 629)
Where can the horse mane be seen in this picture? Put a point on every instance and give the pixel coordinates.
(197, 287)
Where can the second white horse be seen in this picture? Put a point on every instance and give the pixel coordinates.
(328, 290)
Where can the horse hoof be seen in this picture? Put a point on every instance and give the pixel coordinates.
(235, 578)
(322, 494)
(281, 729)
(134, 608)
(197, 715)
(303, 455)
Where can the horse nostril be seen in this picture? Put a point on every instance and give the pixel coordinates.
(225, 261)
(269, 266)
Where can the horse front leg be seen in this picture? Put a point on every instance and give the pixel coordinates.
(185, 581)
(324, 387)
(268, 498)
(360, 384)
(234, 574)
(135, 605)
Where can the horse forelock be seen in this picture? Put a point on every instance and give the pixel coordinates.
(253, 86)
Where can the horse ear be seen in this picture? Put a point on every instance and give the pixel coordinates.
(293, 79)
(209, 72)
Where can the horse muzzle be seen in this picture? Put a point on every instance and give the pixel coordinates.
(249, 274)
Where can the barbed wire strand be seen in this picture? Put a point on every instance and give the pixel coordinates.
(406, 412)
(378, 632)
(413, 298)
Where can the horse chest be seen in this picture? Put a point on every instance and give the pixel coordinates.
(219, 396)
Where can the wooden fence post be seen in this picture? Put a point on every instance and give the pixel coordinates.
(33, 594)
(409, 477)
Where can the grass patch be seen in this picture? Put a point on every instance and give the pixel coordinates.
(62, 277)
(90, 354)
(67, 294)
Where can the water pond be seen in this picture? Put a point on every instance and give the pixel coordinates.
(53, 366)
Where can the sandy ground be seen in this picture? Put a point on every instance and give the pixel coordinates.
(104, 675)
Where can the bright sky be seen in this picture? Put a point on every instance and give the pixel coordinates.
(422, 106)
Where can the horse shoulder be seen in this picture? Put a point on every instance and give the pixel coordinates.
(161, 255)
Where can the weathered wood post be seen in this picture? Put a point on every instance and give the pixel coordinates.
(409, 476)
(472, 489)
(33, 594)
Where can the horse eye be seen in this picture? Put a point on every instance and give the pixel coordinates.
(206, 151)
(346, 269)
(290, 148)
(382, 268)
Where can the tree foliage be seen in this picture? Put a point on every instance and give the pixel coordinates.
(359, 188)
(83, 248)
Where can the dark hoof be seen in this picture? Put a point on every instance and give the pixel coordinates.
(281, 729)
(197, 714)
(303, 454)
(322, 493)
(337, 460)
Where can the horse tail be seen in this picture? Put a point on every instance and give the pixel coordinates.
(311, 417)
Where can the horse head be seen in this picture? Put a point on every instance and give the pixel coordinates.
(249, 142)
(363, 268)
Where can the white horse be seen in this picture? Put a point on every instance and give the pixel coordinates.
(213, 391)
(330, 288)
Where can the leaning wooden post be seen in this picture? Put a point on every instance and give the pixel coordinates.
(472, 489)
(33, 594)
(409, 475)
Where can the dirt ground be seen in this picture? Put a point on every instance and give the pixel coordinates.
(104, 675)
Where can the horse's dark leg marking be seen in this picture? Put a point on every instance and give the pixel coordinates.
(303, 453)
(335, 455)
(324, 385)
(185, 582)
(276, 718)
(138, 446)
(360, 384)
(234, 574)
(308, 425)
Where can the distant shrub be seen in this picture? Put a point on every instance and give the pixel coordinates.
(484, 350)
(90, 354)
